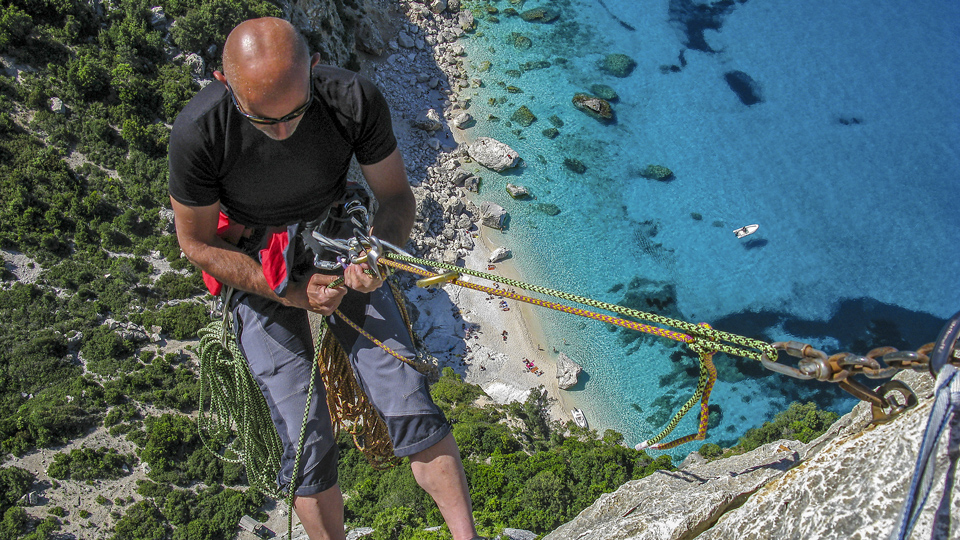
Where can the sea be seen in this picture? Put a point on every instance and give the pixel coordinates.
(834, 126)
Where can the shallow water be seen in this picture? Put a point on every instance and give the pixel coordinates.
(847, 158)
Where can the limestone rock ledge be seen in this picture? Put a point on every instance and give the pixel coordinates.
(849, 483)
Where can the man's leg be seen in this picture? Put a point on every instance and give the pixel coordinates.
(278, 345)
(439, 472)
(321, 514)
(417, 427)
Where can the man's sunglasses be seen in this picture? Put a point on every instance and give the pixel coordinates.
(265, 121)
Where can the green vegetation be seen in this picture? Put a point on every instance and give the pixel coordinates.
(802, 422)
(90, 464)
(535, 476)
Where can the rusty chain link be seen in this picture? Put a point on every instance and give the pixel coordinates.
(888, 400)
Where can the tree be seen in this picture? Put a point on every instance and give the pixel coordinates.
(15, 26)
(142, 521)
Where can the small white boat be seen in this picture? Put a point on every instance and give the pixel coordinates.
(579, 418)
(746, 230)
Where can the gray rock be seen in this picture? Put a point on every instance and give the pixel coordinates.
(466, 20)
(438, 6)
(368, 37)
(472, 184)
(461, 120)
(493, 154)
(492, 214)
(196, 64)
(499, 254)
(567, 372)
(359, 532)
(849, 483)
(433, 143)
(517, 192)
(459, 177)
(57, 106)
(158, 18)
(405, 41)
(518, 534)
(428, 121)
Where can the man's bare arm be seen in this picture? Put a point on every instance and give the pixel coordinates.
(197, 234)
(397, 205)
(395, 214)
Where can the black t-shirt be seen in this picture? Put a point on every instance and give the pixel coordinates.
(218, 155)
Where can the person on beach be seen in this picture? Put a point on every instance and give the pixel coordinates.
(269, 145)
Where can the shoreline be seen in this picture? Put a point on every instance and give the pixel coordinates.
(476, 350)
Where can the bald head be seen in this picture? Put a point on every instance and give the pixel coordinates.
(265, 56)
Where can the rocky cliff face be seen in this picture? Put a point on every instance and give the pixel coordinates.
(849, 483)
(339, 28)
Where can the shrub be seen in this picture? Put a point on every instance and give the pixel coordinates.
(801, 422)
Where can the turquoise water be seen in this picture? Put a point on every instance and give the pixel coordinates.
(849, 162)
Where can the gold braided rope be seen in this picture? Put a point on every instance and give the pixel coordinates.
(350, 408)
(705, 340)
(706, 337)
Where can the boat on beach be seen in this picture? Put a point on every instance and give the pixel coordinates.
(579, 418)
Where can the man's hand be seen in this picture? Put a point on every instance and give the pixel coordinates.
(356, 278)
(314, 295)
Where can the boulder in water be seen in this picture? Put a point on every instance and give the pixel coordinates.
(596, 107)
(540, 15)
(618, 65)
(493, 154)
(657, 172)
(523, 116)
(747, 89)
(492, 214)
(517, 192)
(567, 372)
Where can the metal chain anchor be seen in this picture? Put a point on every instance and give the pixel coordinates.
(888, 400)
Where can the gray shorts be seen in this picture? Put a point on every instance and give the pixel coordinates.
(278, 344)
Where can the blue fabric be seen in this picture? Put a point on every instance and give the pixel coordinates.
(945, 412)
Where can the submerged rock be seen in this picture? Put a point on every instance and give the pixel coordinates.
(547, 208)
(618, 65)
(523, 116)
(493, 154)
(604, 92)
(551, 133)
(540, 15)
(534, 65)
(519, 41)
(567, 372)
(596, 107)
(657, 172)
(517, 192)
(556, 121)
(575, 165)
(747, 89)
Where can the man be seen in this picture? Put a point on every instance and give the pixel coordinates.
(268, 145)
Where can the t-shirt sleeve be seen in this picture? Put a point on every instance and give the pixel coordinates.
(193, 179)
(375, 139)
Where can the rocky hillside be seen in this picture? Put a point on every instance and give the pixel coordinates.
(848, 483)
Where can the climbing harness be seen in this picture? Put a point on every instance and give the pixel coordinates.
(944, 412)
